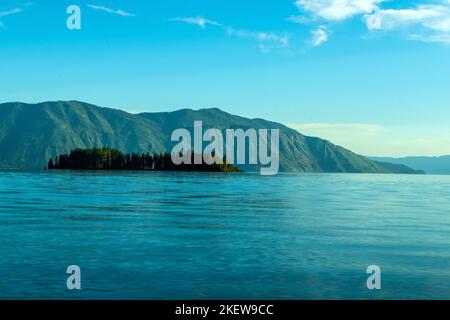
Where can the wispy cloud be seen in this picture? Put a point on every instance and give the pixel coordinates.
(266, 40)
(112, 11)
(337, 129)
(373, 139)
(199, 21)
(28, 4)
(319, 36)
(359, 137)
(440, 38)
(8, 13)
(301, 19)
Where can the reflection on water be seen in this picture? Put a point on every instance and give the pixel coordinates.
(219, 236)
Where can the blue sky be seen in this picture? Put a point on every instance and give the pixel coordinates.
(370, 75)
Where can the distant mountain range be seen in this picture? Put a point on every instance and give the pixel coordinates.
(431, 165)
(30, 134)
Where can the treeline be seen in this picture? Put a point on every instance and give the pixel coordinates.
(111, 159)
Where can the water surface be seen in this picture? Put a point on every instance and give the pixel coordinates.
(223, 236)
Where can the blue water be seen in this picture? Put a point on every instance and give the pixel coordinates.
(219, 236)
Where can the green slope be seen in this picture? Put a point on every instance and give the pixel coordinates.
(32, 133)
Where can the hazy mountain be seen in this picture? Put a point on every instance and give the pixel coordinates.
(431, 165)
(32, 133)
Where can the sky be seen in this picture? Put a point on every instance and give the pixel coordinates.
(370, 75)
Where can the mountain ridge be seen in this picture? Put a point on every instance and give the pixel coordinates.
(30, 134)
(431, 165)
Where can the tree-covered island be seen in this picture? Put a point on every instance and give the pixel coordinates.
(112, 159)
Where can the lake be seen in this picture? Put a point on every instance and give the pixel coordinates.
(155, 235)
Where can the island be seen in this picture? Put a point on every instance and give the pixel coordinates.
(111, 159)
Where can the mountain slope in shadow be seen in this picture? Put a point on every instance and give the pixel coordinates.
(431, 165)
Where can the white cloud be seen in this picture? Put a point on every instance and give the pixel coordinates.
(337, 9)
(199, 21)
(330, 10)
(431, 22)
(319, 36)
(266, 40)
(435, 17)
(112, 11)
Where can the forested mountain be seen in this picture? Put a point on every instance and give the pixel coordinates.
(30, 134)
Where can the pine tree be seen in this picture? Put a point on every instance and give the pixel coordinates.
(50, 164)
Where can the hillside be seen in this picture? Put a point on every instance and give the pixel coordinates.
(30, 134)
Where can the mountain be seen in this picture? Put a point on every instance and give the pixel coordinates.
(431, 165)
(30, 134)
